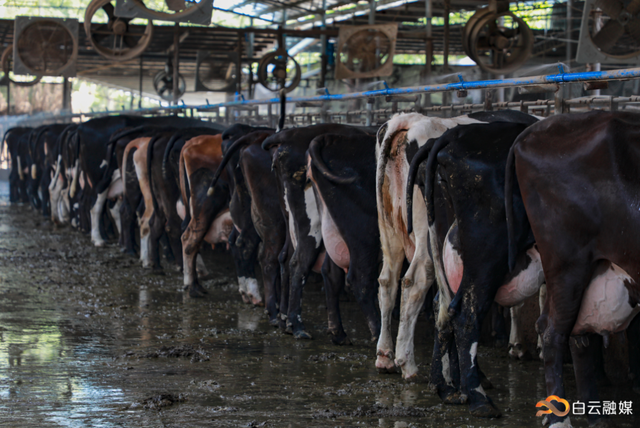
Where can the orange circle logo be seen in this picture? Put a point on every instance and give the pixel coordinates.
(550, 408)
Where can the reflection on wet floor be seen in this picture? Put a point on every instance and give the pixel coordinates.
(89, 338)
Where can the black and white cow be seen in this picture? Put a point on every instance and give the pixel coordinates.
(398, 141)
(464, 187)
(343, 172)
(17, 184)
(288, 150)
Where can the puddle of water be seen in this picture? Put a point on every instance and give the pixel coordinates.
(89, 338)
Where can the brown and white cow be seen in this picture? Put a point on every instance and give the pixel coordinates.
(207, 212)
(397, 142)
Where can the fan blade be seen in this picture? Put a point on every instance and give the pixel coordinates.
(608, 35)
(633, 7)
(633, 28)
(109, 10)
(610, 7)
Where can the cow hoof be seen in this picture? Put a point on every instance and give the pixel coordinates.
(157, 271)
(301, 334)
(196, 291)
(274, 322)
(256, 301)
(453, 397)
(409, 375)
(340, 339)
(384, 362)
(484, 410)
(283, 326)
(245, 298)
(518, 352)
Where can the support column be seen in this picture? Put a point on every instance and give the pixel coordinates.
(372, 12)
(447, 9)
(323, 47)
(66, 94)
(176, 64)
(140, 99)
(428, 49)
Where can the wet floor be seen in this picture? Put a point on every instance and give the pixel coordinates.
(89, 338)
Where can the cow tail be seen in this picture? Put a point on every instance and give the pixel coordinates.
(283, 109)
(33, 147)
(184, 184)
(232, 150)
(149, 174)
(383, 159)
(443, 285)
(4, 137)
(508, 205)
(316, 157)
(59, 143)
(419, 157)
(20, 173)
(167, 153)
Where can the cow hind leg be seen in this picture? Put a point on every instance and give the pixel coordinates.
(271, 279)
(301, 265)
(516, 344)
(557, 320)
(445, 373)
(156, 230)
(583, 348)
(542, 297)
(244, 250)
(333, 277)
(415, 285)
(127, 219)
(191, 241)
(284, 258)
(362, 279)
(633, 334)
(475, 305)
(387, 291)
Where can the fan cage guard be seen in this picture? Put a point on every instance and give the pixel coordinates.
(588, 52)
(24, 64)
(203, 57)
(385, 69)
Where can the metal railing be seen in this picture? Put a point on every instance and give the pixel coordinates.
(248, 111)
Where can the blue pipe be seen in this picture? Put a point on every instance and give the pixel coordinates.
(562, 77)
(630, 73)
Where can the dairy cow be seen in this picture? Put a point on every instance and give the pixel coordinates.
(163, 155)
(97, 158)
(267, 216)
(17, 186)
(288, 150)
(62, 171)
(398, 140)
(43, 147)
(464, 189)
(579, 182)
(343, 172)
(206, 213)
